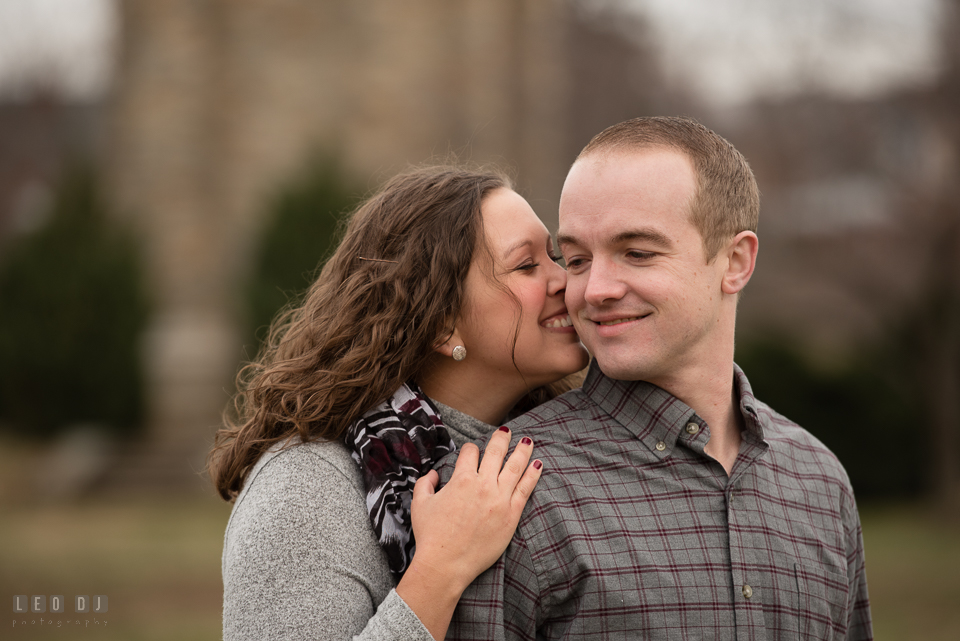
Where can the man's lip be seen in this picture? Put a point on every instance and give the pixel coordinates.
(610, 320)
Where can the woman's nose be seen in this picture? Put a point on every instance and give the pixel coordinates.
(557, 280)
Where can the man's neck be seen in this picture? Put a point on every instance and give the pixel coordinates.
(709, 390)
(725, 430)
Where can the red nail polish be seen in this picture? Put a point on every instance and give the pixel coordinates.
(526, 440)
(537, 464)
(504, 428)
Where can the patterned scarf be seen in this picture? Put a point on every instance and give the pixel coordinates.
(395, 444)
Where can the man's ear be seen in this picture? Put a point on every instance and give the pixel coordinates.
(741, 261)
(446, 348)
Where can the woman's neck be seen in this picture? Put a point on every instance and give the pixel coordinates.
(472, 403)
(463, 427)
(482, 397)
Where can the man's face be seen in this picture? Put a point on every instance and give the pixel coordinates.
(639, 289)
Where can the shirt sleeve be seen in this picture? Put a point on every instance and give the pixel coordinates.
(859, 623)
(301, 562)
(503, 603)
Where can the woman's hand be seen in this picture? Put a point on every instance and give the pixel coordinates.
(465, 527)
(462, 529)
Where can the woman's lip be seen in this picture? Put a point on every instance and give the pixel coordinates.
(557, 321)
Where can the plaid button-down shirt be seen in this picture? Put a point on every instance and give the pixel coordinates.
(634, 532)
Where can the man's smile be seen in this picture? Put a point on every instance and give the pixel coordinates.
(617, 321)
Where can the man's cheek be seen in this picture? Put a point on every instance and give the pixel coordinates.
(573, 295)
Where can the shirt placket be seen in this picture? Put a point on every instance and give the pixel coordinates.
(749, 583)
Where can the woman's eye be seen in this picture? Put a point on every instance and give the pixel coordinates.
(557, 259)
(527, 267)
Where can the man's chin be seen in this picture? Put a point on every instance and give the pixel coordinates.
(621, 368)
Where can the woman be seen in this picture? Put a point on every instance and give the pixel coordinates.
(440, 313)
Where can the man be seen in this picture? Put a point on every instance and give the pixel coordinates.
(674, 504)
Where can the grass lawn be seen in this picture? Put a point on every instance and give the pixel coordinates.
(913, 572)
(158, 561)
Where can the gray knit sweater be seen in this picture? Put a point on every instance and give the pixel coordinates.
(300, 559)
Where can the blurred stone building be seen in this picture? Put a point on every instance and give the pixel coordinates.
(217, 102)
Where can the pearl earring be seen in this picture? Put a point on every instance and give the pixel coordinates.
(459, 353)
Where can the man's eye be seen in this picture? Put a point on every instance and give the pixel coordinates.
(640, 255)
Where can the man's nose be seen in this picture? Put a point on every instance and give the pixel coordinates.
(604, 283)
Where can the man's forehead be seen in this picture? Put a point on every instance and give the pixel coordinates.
(644, 199)
(656, 177)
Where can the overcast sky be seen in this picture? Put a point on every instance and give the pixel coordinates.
(729, 51)
(733, 50)
(64, 44)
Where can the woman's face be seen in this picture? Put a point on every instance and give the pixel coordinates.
(514, 316)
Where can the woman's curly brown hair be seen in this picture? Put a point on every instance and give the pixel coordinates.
(391, 292)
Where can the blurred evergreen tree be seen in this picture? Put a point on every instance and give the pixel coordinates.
(301, 233)
(72, 308)
(867, 412)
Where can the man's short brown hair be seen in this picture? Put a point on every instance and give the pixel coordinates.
(727, 200)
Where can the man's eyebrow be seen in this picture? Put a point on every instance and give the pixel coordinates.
(650, 235)
(564, 239)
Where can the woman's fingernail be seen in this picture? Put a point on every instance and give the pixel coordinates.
(526, 441)
(504, 428)
(537, 464)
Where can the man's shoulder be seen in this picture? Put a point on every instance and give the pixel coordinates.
(796, 447)
(547, 424)
(560, 414)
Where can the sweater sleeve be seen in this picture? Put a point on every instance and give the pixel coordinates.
(300, 560)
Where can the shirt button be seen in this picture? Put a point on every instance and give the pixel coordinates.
(692, 428)
(747, 591)
(661, 446)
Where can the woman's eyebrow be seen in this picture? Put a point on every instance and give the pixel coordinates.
(516, 246)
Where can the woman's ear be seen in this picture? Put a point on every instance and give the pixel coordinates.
(446, 348)
(741, 260)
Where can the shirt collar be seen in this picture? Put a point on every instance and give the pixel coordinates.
(752, 419)
(655, 416)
